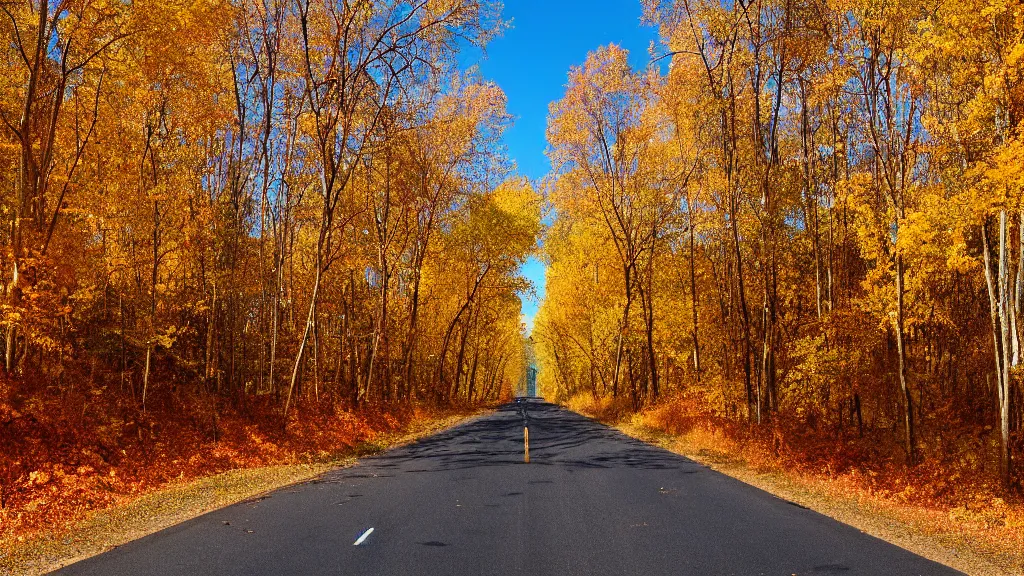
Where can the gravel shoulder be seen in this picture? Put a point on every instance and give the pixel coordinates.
(105, 529)
(976, 550)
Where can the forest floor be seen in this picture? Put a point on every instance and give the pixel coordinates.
(57, 522)
(979, 539)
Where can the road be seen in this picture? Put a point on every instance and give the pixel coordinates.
(592, 501)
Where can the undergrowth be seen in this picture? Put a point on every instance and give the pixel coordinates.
(952, 477)
(64, 454)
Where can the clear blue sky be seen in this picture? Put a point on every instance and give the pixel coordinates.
(531, 62)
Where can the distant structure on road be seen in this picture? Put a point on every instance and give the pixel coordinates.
(528, 382)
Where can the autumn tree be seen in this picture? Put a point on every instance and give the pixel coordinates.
(817, 211)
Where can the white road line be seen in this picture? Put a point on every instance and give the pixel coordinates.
(363, 537)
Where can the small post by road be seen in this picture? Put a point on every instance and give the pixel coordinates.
(526, 444)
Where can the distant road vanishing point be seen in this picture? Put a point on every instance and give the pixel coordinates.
(592, 501)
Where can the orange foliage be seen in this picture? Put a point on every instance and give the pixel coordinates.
(953, 478)
(61, 458)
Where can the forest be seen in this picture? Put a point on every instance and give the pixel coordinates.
(803, 221)
(242, 232)
(245, 222)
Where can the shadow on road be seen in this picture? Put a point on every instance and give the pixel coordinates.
(557, 438)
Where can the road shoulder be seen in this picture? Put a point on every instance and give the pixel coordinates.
(919, 530)
(109, 528)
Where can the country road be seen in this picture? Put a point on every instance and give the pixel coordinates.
(591, 502)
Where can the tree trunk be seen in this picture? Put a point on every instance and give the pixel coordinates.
(623, 331)
(694, 297)
(1006, 345)
(908, 401)
(305, 336)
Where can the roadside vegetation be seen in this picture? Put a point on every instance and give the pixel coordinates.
(77, 516)
(972, 527)
(239, 234)
(799, 232)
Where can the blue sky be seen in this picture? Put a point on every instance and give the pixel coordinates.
(531, 62)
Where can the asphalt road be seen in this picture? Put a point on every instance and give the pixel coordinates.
(591, 502)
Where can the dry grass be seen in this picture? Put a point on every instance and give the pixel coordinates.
(983, 537)
(45, 550)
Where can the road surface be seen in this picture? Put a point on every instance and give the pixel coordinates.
(592, 501)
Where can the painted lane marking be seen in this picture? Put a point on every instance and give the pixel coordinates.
(363, 537)
(526, 444)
